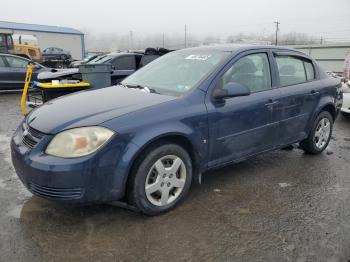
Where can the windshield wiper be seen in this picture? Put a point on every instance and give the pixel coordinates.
(149, 90)
(123, 85)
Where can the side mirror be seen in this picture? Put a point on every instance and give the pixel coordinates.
(231, 89)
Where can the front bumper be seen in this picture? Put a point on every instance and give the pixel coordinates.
(98, 177)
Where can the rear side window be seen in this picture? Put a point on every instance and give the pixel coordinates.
(125, 63)
(293, 70)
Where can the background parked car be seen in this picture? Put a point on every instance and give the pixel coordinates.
(13, 71)
(346, 104)
(55, 53)
(123, 64)
(76, 64)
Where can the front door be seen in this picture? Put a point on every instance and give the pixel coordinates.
(243, 126)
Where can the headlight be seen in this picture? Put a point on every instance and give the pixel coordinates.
(78, 142)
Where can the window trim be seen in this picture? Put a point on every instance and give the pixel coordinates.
(313, 67)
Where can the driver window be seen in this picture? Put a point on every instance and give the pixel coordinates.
(252, 71)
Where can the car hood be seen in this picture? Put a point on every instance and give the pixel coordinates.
(91, 107)
(57, 73)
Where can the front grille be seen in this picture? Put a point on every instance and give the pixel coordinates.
(56, 193)
(27, 141)
(35, 133)
(30, 136)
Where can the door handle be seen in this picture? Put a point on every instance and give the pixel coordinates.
(271, 102)
(314, 93)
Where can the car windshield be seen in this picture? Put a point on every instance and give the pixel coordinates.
(101, 59)
(176, 73)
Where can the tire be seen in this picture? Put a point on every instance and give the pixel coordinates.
(166, 187)
(320, 134)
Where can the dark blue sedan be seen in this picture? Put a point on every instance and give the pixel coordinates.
(145, 140)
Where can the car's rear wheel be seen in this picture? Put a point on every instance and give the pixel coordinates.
(320, 134)
(161, 179)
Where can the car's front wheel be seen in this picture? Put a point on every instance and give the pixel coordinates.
(161, 179)
(320, 134)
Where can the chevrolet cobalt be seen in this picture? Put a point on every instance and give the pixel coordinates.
(146, 139)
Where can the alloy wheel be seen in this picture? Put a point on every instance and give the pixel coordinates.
(322, 133)
(165, 180)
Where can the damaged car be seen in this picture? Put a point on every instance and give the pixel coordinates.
(123, 64)
(147, 139)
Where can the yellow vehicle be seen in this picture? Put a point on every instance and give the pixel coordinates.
(29, 51)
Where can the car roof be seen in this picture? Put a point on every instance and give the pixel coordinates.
(233, 48)
(5, 54)
(115, 54)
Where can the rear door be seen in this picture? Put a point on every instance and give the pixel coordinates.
(299, 95)
(17, 71)
(123, 66)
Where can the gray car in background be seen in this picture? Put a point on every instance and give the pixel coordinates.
(55, 53)
(13, 71)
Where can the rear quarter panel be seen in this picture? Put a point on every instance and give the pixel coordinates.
(330, 95)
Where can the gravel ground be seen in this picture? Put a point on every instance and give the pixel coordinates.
(280, 206)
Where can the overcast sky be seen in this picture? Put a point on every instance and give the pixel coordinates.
(207, 17)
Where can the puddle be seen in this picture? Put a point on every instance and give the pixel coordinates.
(2, 184)
(284, 185)
(15, 212)
(5, 148)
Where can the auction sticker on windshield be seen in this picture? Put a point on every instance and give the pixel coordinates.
(198, 57)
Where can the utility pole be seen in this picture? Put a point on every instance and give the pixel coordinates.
(277, 29)
(163, 40)
(131, 40)
(185, 36)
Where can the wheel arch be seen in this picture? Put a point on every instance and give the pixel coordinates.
(329, 108)
(177, 138)
(325, 104)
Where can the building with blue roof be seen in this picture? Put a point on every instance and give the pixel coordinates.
(49, 36)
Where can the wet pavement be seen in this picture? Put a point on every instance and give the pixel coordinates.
(280, 206)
